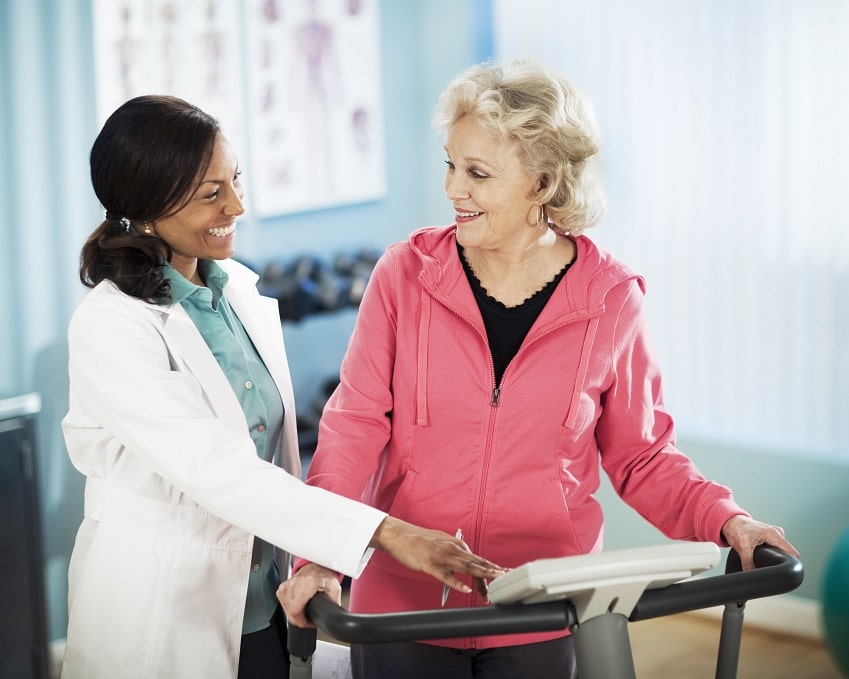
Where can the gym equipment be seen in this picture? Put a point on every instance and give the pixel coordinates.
(835, 602)
(24, 646)
(357, 266)
(294, 296)
(309, 416)
(308, 284)
(611, 589)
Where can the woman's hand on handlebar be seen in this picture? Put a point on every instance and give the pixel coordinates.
(294, 593)
(743, 534)
(435, 553)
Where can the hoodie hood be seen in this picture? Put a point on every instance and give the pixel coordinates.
(592, 275)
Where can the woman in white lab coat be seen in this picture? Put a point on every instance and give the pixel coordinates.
(182, 419)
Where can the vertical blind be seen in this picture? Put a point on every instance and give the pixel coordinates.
(727, 170)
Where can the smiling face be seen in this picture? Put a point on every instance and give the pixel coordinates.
(492, 192)
(205, 227)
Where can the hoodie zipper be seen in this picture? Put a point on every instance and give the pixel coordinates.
(495, 399)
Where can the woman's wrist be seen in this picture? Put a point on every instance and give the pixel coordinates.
(383, 535)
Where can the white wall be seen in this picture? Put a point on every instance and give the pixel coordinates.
(725, 145)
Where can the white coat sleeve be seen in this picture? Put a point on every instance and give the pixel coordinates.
(129, 390)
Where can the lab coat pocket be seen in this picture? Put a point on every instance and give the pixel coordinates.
(117, 607)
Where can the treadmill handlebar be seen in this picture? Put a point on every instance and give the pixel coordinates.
(776, 572)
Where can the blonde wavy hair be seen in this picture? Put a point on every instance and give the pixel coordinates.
(550, 123)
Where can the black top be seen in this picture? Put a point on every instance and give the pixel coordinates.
(506, 327)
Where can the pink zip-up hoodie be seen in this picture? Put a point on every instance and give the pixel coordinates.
(419, 429)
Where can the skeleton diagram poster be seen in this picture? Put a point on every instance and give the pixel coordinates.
(316, 126)
(294, 83)
(189, 48)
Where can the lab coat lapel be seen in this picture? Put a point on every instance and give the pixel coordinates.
(260, 317)
(187, 342)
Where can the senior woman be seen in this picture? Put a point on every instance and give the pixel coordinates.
(496, 365)
(182, 419)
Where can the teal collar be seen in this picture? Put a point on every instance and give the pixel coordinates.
(182, 288)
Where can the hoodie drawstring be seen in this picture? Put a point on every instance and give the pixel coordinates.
(422, 418)
(581, 374)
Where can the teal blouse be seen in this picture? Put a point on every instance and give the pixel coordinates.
(225, 336)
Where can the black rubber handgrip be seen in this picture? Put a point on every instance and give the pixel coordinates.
(300, 641)
(777, 572)
(438, 624)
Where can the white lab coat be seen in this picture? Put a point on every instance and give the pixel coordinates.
(175, 491)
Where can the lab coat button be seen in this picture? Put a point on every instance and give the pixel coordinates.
(249, 385)
(261, 428)
(255, 568)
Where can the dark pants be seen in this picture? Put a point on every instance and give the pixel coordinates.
(548, 659)
(264, 654)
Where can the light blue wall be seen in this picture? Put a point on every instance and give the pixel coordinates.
(47, 124)
(808, 498)
(47, 116)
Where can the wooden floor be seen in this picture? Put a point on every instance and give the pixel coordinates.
(684, 647)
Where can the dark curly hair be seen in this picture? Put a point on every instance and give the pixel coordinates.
(145, 164)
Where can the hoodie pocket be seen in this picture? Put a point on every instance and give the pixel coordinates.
(405, 487)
